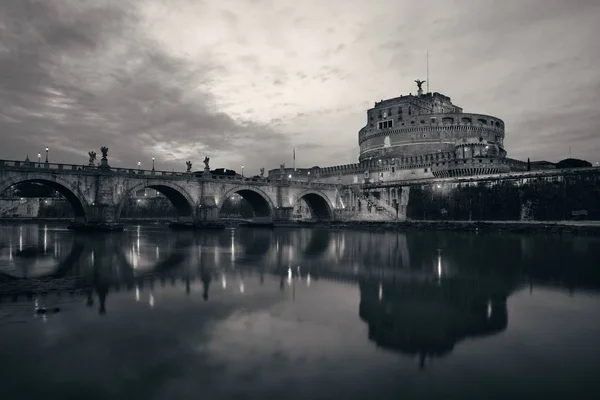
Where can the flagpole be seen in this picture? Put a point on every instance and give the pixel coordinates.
(294, 159)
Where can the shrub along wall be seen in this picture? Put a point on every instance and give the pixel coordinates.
(560, 198)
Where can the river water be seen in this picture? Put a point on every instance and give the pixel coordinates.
(296, 314)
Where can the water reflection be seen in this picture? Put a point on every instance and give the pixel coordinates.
(420, 294)
(427, 317)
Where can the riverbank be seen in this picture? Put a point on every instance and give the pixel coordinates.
(561, 227)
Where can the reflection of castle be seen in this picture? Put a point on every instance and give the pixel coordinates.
(428, 318)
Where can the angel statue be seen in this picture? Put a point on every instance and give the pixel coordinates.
(262, 172)
(92, 155)
(420, 83)
(206, 160)
(104, 151)
(189, 166)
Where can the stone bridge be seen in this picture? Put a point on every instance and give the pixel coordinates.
(99, 193)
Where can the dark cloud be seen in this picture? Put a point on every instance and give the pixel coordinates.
(76, 78)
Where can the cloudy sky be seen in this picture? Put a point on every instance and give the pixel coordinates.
(244, 81)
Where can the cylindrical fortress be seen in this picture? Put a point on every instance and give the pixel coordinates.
(426, 126)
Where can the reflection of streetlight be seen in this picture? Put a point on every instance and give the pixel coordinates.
(46, 155)
(152, 163)
(242, 171)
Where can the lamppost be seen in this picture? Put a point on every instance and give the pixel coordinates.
(152, 163)
(139, 165)
(39, 158)
(47, 155)
(242, 171)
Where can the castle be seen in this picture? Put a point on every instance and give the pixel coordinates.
(417, 137)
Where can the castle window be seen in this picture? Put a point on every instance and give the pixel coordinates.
(385, 124)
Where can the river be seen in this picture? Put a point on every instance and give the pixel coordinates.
(296, 314)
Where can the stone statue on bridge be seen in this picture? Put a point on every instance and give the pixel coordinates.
(92, 155)
(189, 166)
(104, 159)
(206, 166)
(262, 172)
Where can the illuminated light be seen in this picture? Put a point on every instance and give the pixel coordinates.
(439, 265)
(380, 291)
(137, 293)
(224, 281)
(151, 300)
(45, 238)
(489, 309)
(21, 239)
(92, 257)
(241, 287)
(290, 175)
(308, 279)
(289, 277)
(157, 253)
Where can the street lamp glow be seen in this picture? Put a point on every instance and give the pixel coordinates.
(47, 154)
(139, 164)
(152, 163)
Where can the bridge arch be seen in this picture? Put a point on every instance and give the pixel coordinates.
(181, 200)
(260, 201)
(69, 190)
(319, 204)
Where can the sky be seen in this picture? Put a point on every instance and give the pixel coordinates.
(245, 81)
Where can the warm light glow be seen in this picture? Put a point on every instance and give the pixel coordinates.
(439, 264)
(289, 278)
(137, 293)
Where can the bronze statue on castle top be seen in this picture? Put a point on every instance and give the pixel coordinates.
(420, 83)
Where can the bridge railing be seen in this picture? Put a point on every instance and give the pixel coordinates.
(39, 165)
(44, 166)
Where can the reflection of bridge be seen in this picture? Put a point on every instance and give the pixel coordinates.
(98, 194)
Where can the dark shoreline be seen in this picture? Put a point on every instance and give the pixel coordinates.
(576, 227)
(560, 227)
